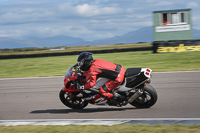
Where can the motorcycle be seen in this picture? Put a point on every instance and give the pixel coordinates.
(135, 90)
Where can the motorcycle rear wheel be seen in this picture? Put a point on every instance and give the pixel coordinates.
(76, 103)
(147, 99)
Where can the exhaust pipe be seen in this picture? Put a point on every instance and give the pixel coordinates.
(135, 96)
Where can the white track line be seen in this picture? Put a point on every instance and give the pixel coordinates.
(108, 122)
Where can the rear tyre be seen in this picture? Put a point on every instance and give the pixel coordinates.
(147, 99)
(75, 103)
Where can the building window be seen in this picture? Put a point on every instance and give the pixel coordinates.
(173, 18)
(165, 19)
(183, 17)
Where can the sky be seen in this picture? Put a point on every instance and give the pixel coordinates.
(87, 19)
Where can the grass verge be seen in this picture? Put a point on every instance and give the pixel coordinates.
(56, 66)
(123, 128)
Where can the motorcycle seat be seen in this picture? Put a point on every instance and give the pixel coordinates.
(132, 72)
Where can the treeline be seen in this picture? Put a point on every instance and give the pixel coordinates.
(73, 53)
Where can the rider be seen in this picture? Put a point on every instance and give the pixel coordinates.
(101, 68)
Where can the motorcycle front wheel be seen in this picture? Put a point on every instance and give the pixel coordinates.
(74, 103)
(147, 99)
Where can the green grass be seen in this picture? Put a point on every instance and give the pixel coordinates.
(123, 128)
(56, 66)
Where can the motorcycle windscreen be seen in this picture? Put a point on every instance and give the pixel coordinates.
(69, 71)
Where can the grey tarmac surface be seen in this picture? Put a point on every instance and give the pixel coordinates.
(37, 98)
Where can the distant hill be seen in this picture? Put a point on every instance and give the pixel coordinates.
(6, 42)
(142, 35)
(40, 42)
(56, 41)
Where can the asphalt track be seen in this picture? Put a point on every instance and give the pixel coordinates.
(37, 98)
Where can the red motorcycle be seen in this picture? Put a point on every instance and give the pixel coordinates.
(135, 90)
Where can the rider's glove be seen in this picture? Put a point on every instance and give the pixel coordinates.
(80, 81)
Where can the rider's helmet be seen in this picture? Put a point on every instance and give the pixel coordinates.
(84, 60)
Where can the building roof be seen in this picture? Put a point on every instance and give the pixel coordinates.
(175, 10)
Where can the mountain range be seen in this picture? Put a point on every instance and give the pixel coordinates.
(142, 35)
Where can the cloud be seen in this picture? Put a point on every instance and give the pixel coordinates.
(87, 10)
(41, 20)
(15, 14)
(91, 10)
(12, 33)
(88, 19)
(192, 5)
(158, 3)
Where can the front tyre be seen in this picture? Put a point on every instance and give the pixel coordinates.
(147, 99)
(74, 103)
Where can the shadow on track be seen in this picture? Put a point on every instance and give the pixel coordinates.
(89, 110)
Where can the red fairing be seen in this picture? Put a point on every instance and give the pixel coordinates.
(67, 80)
(71, 89)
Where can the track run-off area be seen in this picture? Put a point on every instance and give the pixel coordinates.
(38, 98)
